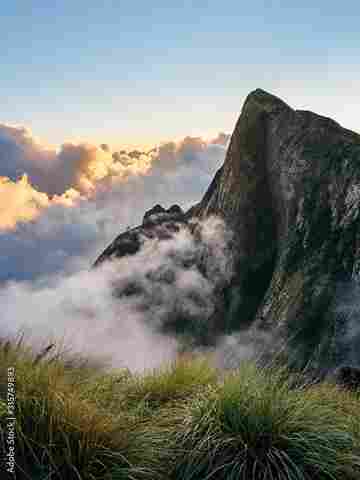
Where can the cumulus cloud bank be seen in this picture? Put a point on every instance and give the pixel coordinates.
(59, 208)
(81, 166)
(55, 171)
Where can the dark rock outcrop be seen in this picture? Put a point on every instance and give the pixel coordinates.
(290, 191)
(157, 223)
(157, 210)
(347, 377)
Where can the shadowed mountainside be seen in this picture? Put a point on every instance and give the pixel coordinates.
(289, 190)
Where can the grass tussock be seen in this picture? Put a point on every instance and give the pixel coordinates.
(170, 384)
(255, 426)
(182, 422)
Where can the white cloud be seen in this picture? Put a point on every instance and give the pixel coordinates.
(122, 308)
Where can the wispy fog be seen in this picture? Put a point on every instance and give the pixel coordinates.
(122, 309)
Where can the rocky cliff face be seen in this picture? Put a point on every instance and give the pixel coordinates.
(290, 191)
(290, 188)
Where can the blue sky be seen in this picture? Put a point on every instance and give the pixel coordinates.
(144, 71)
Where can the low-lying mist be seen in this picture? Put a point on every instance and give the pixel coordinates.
(127, 311)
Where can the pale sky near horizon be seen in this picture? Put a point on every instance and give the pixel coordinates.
(140, 72)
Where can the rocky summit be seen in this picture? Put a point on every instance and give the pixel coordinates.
(157, 223)
(289, 189)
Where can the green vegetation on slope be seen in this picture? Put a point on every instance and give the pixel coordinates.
(182, 422)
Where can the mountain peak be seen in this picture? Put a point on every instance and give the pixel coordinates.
(264, 100)
(289, 189)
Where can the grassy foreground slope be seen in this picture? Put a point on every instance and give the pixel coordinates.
(183, 422)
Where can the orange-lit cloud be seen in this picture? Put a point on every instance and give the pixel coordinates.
(19, 202)
(33, 177)
(52, 171)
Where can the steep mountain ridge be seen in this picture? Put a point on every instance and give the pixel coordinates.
(290, 191)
